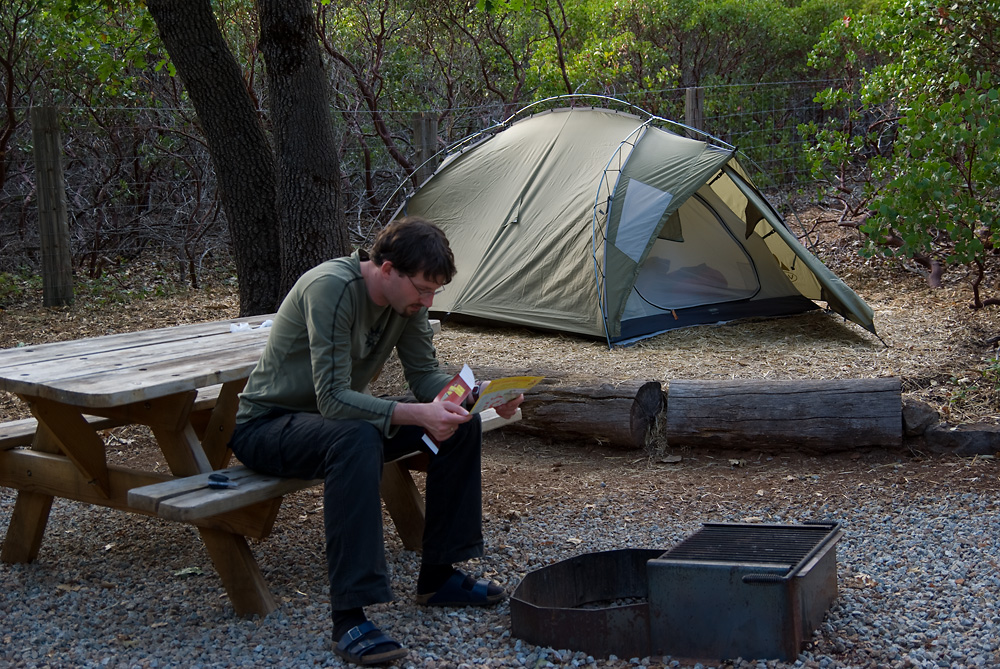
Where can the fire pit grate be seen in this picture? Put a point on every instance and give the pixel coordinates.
(761, 544)
(729, 590)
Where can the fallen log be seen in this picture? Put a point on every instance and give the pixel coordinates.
(586, 410)
(820, 416)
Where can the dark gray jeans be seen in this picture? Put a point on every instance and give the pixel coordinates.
(348, 455)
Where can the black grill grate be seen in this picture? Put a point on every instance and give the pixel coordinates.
(761, 544)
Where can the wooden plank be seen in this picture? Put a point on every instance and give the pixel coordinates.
(17, 433)
(207, 397)
(113, 359)
(211, 501)
(118, 382)
(35, 472)
(126, 386)
(40, 353)
(153, 357)
(806, 415)
(189, 498)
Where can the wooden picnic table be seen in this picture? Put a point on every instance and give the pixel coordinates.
(183, 383)
(151, 378)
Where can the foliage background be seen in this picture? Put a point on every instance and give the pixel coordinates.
(914, 156)
(885, 107)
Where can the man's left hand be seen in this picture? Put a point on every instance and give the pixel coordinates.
(510, 408)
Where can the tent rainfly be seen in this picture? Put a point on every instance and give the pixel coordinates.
(601, 223)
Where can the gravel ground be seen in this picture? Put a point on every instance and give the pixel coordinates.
(917, 565)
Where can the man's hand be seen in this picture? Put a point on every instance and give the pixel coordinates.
(510, 408)
(439, 419)
(444, 419)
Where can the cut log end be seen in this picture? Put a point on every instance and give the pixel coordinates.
(586, 410)
(646, 409)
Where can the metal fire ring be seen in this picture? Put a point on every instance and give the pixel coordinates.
(545, 607)
(770, 583)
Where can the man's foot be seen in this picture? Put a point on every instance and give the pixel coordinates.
(462, 590)
(366, 645)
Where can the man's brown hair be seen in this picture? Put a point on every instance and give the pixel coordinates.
(414, 245)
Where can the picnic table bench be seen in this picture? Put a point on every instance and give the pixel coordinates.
(193, 497)
(183, 383)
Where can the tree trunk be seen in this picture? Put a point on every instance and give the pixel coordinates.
(308, 192)
(244, 162)
(818, 416)
(586, 410)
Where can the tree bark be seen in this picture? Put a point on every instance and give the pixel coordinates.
(819, 416)
(308, 181)
(244, 161)
(586, 410)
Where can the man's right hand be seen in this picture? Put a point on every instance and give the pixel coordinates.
(439, 419)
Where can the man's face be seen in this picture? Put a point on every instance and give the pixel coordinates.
(412, 293)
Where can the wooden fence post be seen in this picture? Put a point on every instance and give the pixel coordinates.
(425, 144)
(57, 261)
(694, 107)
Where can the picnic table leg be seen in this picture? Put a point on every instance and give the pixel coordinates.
(67, 431)
(404, 504)
(247, 589)
(230, 553)
(31, 512)
(221, 424)
(27, 527)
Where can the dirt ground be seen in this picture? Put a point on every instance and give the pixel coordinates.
(525, 474)
(944, 352)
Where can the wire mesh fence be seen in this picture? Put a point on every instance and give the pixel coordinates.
(139, 183)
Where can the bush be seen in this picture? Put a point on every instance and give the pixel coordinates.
(913, 149)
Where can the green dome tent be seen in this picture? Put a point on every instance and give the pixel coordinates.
(606, 224)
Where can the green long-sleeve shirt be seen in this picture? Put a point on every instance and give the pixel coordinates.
(328, 341)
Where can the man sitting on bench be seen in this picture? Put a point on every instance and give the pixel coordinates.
(304, 413)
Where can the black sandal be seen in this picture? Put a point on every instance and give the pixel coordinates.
(367, 645)
(462, 590)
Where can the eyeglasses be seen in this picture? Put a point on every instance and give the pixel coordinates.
(424, 292)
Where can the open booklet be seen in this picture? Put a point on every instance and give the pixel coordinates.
(491, 394)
